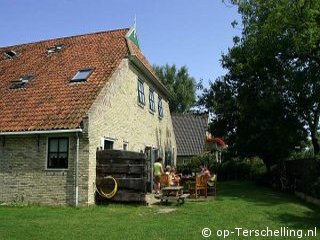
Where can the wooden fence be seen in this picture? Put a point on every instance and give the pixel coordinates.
(128, 169)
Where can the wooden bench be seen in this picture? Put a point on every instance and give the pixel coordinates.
(183, 197)
(180, 198)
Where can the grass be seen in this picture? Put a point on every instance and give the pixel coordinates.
(239, 204)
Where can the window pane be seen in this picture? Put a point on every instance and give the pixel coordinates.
(108, 144)
(141, 97)
(82, 75)
(63, 145)
(52, 161)
(151, 100)
(62, 161)
(53, 145)
(160, 109)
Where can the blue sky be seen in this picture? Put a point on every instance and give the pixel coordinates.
(182, 32)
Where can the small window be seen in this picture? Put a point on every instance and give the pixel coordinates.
(141, 97)
(108, 145)
(125, 146)
(26, 78)
(160, 108)
(82, 75)
(58, 153)
(10, 54)
(22, 82)
(151, 100)
(55, 48)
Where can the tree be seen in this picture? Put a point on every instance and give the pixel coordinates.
(271, 93)
(283, 36)
(181, 86)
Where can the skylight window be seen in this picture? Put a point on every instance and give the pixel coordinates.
(10, 54)
(82, 75)
(26, 78)
(55, 48)
(23, 81)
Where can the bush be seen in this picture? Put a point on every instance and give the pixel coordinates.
(315, 188)
(309, 183)
(233, 169)
(196, 162)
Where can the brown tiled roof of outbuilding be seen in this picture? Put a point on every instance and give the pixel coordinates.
(50, 101)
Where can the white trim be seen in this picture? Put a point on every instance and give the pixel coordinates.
(41, 132)
(110, 139)
(77, 171)
(131, 30)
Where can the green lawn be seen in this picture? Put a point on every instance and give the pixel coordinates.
(238, 205)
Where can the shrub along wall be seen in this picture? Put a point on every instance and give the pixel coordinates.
(234, 169)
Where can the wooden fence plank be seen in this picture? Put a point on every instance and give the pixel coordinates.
(124, 183)
(121, 168)
(128, 169)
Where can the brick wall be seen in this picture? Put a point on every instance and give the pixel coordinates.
(24, 177)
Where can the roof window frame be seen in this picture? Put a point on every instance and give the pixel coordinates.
(74, 79)
(55, 48)
(11, 54)
(22, 82)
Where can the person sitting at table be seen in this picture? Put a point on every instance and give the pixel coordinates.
(205, 171)
(168, 169)
(174, 179)
(210, 176)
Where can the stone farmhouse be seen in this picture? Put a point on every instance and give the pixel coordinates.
(63, 99)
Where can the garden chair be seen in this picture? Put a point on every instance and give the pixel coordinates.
(200, 185)
(212, 184)
(164, 180)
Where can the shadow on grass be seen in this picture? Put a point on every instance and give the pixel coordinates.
(307, 221)
(283, 208)
(250, 192)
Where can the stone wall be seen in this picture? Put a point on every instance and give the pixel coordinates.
(116, 115)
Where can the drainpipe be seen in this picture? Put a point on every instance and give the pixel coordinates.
(76, 165)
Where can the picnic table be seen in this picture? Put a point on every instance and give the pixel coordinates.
(173, 192)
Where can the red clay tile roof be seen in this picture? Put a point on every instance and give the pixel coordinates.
(50, 101)
(134, 50)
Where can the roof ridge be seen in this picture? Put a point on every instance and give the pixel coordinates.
(67, 37)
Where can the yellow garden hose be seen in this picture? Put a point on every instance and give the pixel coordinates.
(110, 194)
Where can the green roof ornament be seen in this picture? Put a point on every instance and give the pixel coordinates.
(132, 34)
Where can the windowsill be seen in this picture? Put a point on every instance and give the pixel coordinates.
(57, 169)
(152, 112)
(56, 172)
(141, 105)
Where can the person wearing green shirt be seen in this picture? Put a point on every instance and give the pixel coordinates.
(157, 171)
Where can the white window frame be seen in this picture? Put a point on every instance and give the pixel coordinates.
(107, 139)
